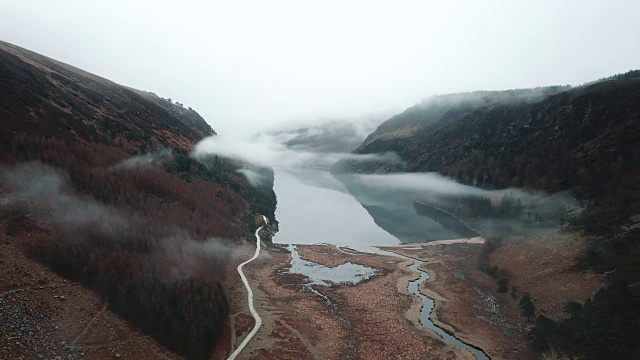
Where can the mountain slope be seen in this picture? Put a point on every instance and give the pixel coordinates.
(581, 140)
(102, 174)
(61, 99)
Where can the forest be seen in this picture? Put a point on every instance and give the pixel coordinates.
(134, 265)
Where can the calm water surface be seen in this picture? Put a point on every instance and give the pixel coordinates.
(321, 275)
(312, 209)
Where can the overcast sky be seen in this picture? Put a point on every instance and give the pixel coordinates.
(248, 65)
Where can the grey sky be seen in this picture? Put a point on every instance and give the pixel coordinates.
(248, 65)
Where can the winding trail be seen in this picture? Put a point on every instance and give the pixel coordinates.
(104, 308)
(256, 317)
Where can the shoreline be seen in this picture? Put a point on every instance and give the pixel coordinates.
(437, 298)
(376, 318)
(413, 245)
(461, 292)
(438, 307)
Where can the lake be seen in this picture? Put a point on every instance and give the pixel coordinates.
(313, 208)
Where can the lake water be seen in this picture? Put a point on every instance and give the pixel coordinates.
(314, 208)
(321, 275)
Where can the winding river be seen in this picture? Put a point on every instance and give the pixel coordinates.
(315, 200)
(428, 304)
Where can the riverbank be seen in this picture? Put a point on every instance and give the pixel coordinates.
(465, 300)
(473, 240)
(378, 318)
(469, 303)
(375, 319)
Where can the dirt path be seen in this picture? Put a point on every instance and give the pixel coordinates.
(43, 314)
(309, 347)
(104, 308)
(254, 313)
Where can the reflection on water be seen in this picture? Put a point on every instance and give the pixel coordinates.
(310, 214)
(322, 275)
(393, 210)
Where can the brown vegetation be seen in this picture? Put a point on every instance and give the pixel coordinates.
(547, 268)
(581, 140)
(46, 315)
(136, 231)
(467, 303)
(376, 319)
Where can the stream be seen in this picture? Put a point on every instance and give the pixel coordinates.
(428, 305)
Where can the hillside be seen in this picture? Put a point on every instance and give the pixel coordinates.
(582, 140)
(64, 101)
(578, 141)
(97, 183)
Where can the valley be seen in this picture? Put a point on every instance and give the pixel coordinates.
(376, 318)
(479, 225)
(367, 317)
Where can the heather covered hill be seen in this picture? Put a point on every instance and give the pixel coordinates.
(101, 176)
(65, 101)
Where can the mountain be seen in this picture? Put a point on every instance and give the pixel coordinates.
(582, 140)
(98, 184)
(63, 100)
(578, 142)
(336, 136)
(535, 139)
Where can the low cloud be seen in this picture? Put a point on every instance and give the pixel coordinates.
(46, 186)
(265, 150)
(421, 182)
(253, 177)
(494, 212)
(142, 160)
(326, 135)
(181, 255)
(434, 184)
(491, 211)
(46, 192)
